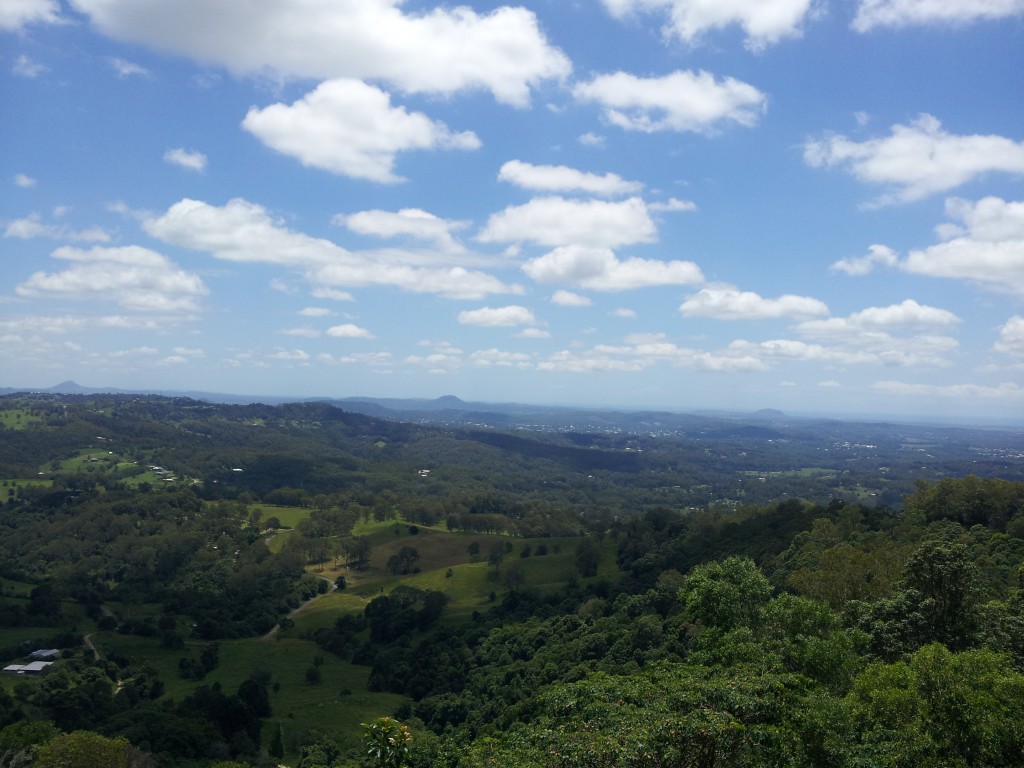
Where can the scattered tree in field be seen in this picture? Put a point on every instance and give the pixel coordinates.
(403, 560)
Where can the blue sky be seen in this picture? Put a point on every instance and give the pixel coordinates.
(682, 204)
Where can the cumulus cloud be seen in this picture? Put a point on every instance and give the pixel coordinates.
(440, 50)
(560, 178)
(903, 13)
(730, 304)
(905, 334)
(412, 222)
(570, 299)
(908, 313)
(1011, 337)
(986, 246)
(32, 226)
(673, 205)
(442, 358)
(917, 160)
(498, 316)
(624, 313)
(681, 101)
(493, 357)
(242, 231)
(764, 21)
(24, 181)
(877, 255)
(315, 312)
(532, 333)
(349, 128)
(599, 269)
(16, 14)
(560, 221)
(640, 352)
(134, 277)
(187, 159)
(348, 331)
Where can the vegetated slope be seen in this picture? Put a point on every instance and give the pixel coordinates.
(754, 631)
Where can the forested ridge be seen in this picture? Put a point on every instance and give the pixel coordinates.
(245, 585)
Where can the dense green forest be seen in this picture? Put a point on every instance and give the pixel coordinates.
(298, 585)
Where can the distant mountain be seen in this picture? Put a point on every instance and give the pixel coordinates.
(767, 414)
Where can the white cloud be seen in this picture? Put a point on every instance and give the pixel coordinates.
(986, 248)
(1008, 391)
(863, 265)
(498, 316)
(125, 68)
(304, 332)
(290, 355)
(26, 67)
(24, 181)
(332, 294)
(917, 160)
(791, 350)
(624, 313)
(413, 222)
(570, 299)
(730, 304)
(500, 358)
(440, 50)
(869, 334)
(134, 277)
(673, 205)
(643, 351)
(590, 139)
(681, 101)
(316, 312)
(443, 358)
(559, 221)
(32, 226)
(15, 14)
(349, 331)
(907, 314)
(902, 13)
(1011, 337)
(599, 269)
(560, 178)
(764, 21)
(244, 232)
(188, 159)
(189, 352)
(532, 333)
(350, 128)
(136, 352)
(36, 326)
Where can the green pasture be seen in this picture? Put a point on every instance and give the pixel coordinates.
(333, 707)
(12, 484)
(18, 418)
(289, 516)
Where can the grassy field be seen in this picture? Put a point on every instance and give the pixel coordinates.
(18, 418)
(333, 707)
